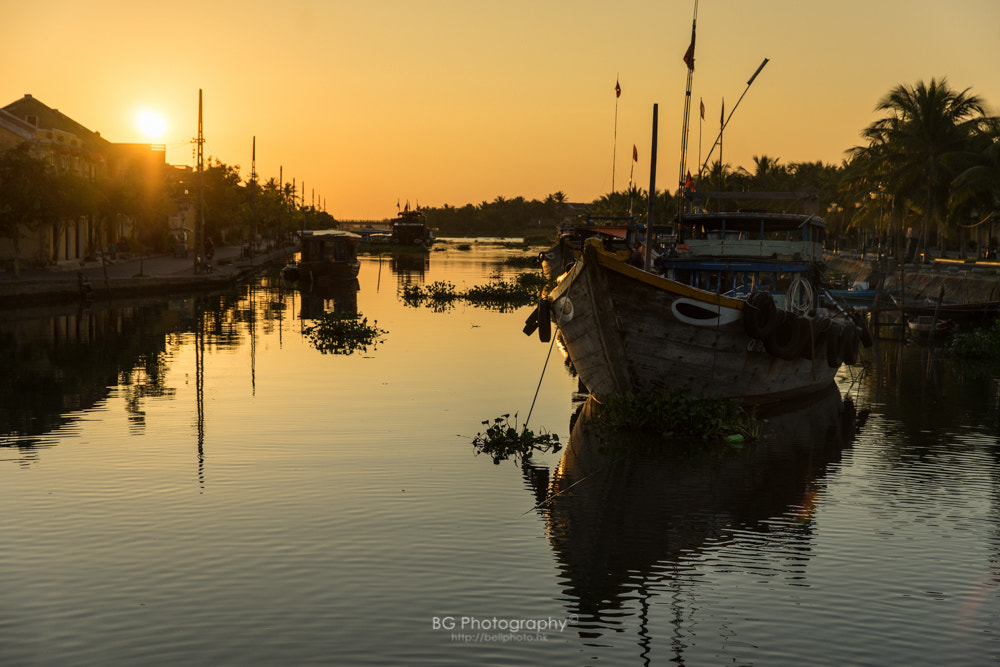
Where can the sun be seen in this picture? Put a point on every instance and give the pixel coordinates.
(150, 123)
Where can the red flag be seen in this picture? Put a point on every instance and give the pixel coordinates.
(689, 54)
(618, 90)
(688, 183)
(702, 109)
(635, 153)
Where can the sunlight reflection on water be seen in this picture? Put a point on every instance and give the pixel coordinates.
(237, 497)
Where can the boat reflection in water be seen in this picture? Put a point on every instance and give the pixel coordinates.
(623, 520)
(340, 297)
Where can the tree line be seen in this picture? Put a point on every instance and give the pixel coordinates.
(930, 162)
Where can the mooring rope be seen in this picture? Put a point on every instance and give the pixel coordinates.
(546, 365)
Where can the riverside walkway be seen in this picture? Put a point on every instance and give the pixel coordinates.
(132, 277)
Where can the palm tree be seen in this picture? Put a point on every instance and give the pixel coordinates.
(916, 146)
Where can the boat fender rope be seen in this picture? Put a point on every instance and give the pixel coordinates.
(800, 296)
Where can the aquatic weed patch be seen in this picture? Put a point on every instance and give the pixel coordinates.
(502, 440)
(678, 414)
(978, 343)
(343, 333)
(497, 294)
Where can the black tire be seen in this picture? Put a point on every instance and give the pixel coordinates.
(785, 342)
(835, 345)
(544, 321)
(531, 323)
(760, 315)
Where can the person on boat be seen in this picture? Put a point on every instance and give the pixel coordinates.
(209, 248)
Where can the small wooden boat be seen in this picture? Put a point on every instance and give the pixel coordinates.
(618, 235)
(922, 325)
(327, 256)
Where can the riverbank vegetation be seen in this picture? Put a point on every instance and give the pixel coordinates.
(930, 162)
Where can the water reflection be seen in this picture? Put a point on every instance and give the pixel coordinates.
(621, 519)
(339, 297)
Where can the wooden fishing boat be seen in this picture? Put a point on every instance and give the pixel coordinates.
(732, 336)
(326, 256)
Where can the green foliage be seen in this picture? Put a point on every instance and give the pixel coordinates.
(678, 414)
(343, 333)
(497, 294)
(979, 343)
(439, 295)
(502, 440)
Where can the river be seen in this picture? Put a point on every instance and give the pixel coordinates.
(192, 482)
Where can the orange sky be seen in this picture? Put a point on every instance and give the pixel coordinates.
(460, 101)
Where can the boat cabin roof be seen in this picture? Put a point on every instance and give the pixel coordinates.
(329, 234)
(751, 221)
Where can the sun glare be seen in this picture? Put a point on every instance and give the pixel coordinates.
(151, 123)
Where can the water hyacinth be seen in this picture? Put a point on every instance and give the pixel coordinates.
(497, 294)
(343, 333)
(502, 440)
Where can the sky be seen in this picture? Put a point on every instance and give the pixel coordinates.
(372, 105)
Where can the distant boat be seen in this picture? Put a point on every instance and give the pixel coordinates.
(922, 325)
(974, 311)
(410, 229)
(327, 256)
(860, 295)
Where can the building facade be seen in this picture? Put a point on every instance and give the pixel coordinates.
(68, 146)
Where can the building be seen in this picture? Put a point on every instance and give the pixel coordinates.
(68, 146)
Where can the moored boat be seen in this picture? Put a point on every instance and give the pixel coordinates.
(410, 229)
(734, 336)
(923, 325)
(326, 256)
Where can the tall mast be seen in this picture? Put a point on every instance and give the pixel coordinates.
(199, 222)
(689, 61)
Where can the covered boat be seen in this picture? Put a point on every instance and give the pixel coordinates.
(327, 256)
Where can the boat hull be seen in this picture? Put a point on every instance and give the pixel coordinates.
(626, 330)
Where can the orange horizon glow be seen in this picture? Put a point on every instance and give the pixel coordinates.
(456, 103)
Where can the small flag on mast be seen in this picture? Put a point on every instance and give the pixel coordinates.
(618, 90)
(689, 54)
(702, 109)
(635, 153)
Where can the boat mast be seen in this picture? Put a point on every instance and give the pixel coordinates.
(718, 140)
(651, 199)
(689, 61)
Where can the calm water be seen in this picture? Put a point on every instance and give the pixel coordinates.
(194, 483)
